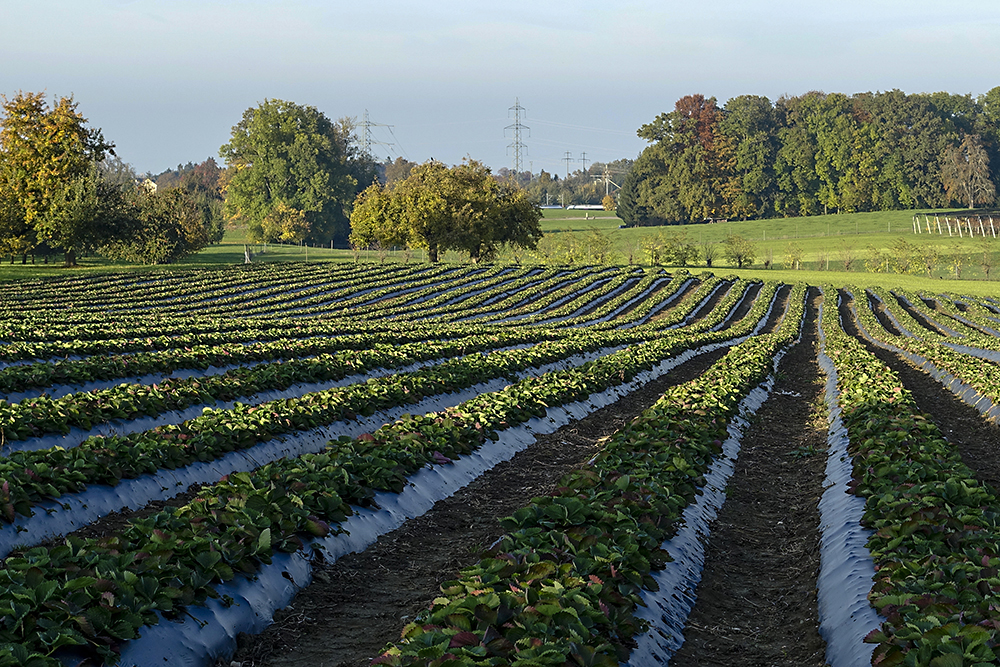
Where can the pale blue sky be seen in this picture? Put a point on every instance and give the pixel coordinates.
(167, 80)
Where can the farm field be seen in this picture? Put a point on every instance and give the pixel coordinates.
(329, 463)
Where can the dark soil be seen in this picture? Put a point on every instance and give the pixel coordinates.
(710, 305)
(977, 440)
(744, 305)
(361, 602)
(919, 317)
(756, 603)
(652, 295)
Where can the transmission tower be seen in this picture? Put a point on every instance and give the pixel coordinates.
(584, 161)
(567, 160)
(366, 136)
(517, 146)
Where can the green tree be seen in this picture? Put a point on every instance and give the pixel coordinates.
(282, 152)
(374, 220)
(795, 162)
(158, 228)
(793, 256)
(86, 213)
(965, 173)
(285, 224)
(632, 208)
(748, 122)
(438, 208)
(928, 257)
(46, 154)
(739, 251)
(600, 246)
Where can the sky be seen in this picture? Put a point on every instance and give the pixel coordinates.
(166, 80)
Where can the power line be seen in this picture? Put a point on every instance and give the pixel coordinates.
(517, 127)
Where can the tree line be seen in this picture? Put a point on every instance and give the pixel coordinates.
(296, 176)
(813, 154)
(63, 189)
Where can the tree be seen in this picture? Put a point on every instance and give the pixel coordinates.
(46, 155)
(709, 251)
(608, 203)
(439, 208)
(632, 208)
(987, 256)
(793, 256)
(600, 246)
(283, 152)
(929, 257)
(748, 121)
(681, 176)
(158, 228)
(286, 224)
(965, 172)
(398, 170)
(86, 213)
(739, 251)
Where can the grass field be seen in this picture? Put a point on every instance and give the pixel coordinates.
(825, 242)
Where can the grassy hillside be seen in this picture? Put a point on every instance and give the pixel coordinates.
(825, 241)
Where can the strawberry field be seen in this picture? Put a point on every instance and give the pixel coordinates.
(494, 465)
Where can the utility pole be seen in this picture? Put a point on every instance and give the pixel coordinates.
(567, 160)
(517, 127)
(366, 135)
(606, 177)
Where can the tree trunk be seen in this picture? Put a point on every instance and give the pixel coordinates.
(69, 257)
(432, 253)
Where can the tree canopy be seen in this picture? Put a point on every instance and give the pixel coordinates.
(814, 153)
(293, 155)
(47, 156)
(438, 208)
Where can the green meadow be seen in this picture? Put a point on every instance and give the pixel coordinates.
(825, 243)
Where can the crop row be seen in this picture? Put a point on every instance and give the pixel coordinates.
(562, 585)
(178, 288)
(33, 477)
(583, 283)
(936, 527)
(504, 302)
(977, 373)
(307, 290)
(95, 594)
(22, 377)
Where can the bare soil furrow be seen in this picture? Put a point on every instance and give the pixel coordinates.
(756, 603)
